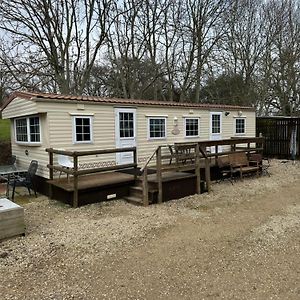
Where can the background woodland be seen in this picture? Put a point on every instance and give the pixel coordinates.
(241, 52)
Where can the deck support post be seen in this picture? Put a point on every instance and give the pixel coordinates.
(159, 174)
(135, 163)
(75, 192)
(197, 170)
(145, 187)
(50, 173)
(207, 175)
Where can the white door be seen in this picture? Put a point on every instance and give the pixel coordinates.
(216, 129)
(125, 133)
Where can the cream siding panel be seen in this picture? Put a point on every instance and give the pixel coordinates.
(34, 152)
(146, 147)
(61, 130)
(18, 108)
(57, 126)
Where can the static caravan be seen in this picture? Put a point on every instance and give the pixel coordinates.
(40, 121)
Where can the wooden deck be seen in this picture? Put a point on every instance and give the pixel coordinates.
(93, 180)
(189, 164)
(170, 176)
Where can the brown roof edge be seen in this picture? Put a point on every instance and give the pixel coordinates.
(12, 96)
(35, 96)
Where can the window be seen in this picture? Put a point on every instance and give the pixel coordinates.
(240, 125)
(27, 130)
(191, 127)
(126, 125)
(34, 129)
(157, 128)
(82, 131)
(216, 123)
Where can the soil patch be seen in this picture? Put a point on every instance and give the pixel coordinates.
(241, 241)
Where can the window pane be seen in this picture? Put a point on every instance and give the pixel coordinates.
(34, 127)
(192, 127)
(83, 129)
(216, 124)
(240, 126)
(21, 130)
(126, 124)
(157, 128)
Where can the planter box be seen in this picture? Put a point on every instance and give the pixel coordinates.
(11, 219)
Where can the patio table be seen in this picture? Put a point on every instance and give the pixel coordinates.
(6, 171)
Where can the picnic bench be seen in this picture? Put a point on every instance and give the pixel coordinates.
(239, 163)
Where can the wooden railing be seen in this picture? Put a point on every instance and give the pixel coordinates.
(181, 153)
(195, 152)
(76, 172)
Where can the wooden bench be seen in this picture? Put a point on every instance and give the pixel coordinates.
(224, 167)
(239, 163)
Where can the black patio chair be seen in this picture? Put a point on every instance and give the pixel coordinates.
(25, 180)
(12, 160)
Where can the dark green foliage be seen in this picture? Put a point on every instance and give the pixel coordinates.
(228, 89)
(4, 130)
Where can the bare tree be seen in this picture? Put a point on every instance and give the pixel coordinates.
(62, 37)
(282, 56)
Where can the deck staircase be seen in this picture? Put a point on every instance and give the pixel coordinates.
(136, 193)
(174, 175)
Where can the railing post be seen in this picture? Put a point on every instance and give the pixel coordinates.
(145, 187)
(50, 172)
(159, 175)
(197, 171)
(176, 154)
(75, 192)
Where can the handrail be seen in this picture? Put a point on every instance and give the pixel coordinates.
(149, 159)
(91, 152)
(224, 142)
(77, 173)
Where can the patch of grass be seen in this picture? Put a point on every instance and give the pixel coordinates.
(4, 130)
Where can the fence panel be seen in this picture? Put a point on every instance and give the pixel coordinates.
(278, 133)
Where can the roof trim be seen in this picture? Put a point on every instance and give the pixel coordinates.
(35, 96)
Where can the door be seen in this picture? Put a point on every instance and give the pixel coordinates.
(215, 129)
(125, 132)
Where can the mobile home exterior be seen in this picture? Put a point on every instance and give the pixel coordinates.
(40, 121)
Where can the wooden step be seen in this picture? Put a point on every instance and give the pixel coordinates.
(151, 185)
(137, 191)
(134, 200)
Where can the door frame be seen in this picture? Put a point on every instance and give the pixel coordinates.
(215, 136)
(118, 139)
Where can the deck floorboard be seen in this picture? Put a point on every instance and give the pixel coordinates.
(93, 181)
(170, 176)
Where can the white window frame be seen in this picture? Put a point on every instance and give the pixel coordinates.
(211, 125)
(74, 129)
(28, 142)
(148, 127)
(235, 126)
(191, 136)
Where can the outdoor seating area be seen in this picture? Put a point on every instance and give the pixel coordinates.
(12, 177)
(239, 163)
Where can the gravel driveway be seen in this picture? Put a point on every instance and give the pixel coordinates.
(242, 241)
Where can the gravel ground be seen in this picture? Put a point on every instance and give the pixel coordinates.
(241, 241)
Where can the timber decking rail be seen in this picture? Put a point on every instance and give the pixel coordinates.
(79, 173)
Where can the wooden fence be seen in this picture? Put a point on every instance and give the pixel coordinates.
(278, 133)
